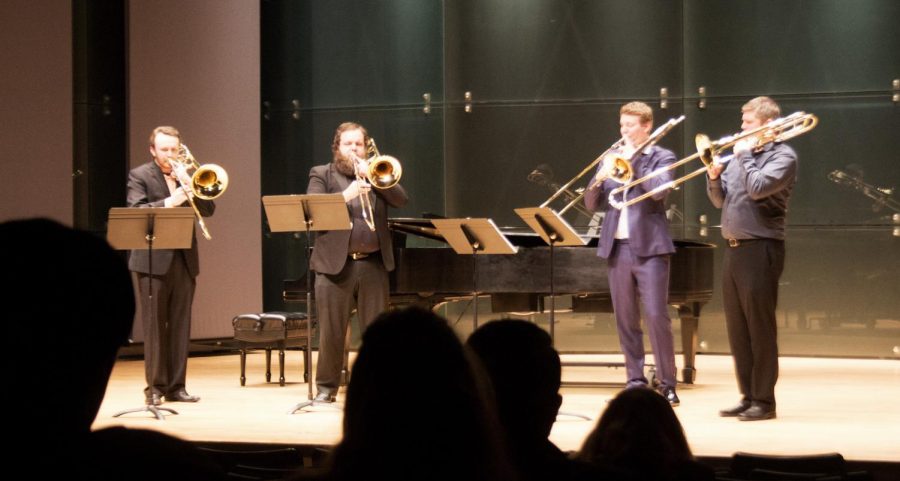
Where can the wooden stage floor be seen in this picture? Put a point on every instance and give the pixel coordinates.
(850, 406)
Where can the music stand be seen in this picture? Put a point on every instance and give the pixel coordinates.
(554, 230)
(474, 236)
(307, 213)
(135, 228)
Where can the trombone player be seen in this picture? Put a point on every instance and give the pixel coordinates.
(637, 244)
(167, 328)
(351, 265)
(753, 191)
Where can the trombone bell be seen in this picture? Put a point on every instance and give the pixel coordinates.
(622, 170)
(704, 149)
(209, 181)
(384, 172)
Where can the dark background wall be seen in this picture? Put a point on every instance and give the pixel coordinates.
(546, 79)
(259, 88)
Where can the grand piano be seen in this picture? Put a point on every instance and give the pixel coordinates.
(519, 282)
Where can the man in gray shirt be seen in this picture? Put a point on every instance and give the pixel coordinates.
(753, 191)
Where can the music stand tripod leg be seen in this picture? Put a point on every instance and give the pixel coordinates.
(309, 272)
(155, 410)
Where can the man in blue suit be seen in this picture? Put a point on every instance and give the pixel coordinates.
(636, 242)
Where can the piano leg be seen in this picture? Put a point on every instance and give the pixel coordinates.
(690, 316)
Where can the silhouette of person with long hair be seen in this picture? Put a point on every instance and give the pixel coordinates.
(640, 435)
(416, 407)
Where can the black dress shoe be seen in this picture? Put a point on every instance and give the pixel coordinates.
(153, 400)
(669, 394)
(324, 397)
(181, 396)
(735, 410)
(757, 413)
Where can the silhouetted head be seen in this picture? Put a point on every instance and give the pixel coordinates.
(639, 432)
(524, 370)
(416, 407)
(69, 306)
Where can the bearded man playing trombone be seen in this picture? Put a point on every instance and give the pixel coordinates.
(351, 265)
(637, 244)
(753, 190)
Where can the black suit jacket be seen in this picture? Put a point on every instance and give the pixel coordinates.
(332, 247)
(147, 188)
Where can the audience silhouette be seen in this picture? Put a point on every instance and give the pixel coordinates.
(417, 407)
(70, 305)
(525, 373)
(640, 435)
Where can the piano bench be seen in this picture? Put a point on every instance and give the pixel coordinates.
(272, 330)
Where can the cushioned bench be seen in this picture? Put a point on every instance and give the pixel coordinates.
(272, 330)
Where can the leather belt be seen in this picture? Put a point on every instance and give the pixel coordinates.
(359, 255)
(740, 242)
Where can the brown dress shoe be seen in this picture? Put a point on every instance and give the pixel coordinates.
(153, 399)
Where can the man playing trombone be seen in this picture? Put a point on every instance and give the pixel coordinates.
(351, 265)
(637, 244)
(753, 190)
(167, 327)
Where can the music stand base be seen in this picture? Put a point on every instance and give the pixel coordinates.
(313, 403)
(155, 410)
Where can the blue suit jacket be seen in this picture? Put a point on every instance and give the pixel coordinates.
(648, 227)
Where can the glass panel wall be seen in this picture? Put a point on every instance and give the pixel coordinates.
(515, 86)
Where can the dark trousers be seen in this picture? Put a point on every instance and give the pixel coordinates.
(167, 329)
(364, 281)
(646, 278)
(750, 294)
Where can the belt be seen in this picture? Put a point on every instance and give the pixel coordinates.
(359, 255)
(740, 242)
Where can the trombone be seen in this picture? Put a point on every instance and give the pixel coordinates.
(778, 130)
(207, 182)
(579, 193)
(383, 172)
(622, 169)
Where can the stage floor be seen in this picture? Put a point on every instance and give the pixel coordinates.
(824, 404)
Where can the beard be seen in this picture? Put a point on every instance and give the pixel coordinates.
(344, 165)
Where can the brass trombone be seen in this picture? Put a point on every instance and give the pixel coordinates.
(622, 170)
(383, 172)
(778, 130)
(207, 182)
(579, 193)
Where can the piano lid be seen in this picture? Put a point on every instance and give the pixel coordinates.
(519, 236)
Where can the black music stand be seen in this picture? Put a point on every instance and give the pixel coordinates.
(555, 231)
(135, 228)
(474, 236)
(307, 213)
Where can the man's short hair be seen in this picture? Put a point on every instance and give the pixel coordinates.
(763, 107)
(640, 109)
(164, 129)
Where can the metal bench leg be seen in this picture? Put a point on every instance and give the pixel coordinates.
(281, 367)
(243, 366)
